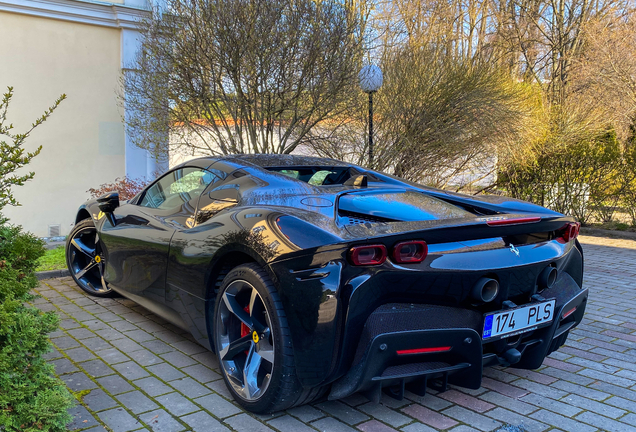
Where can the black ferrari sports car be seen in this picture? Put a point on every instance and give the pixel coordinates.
(311, 277)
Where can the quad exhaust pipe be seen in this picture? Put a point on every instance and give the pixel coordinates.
(548, 277)
(485, 290)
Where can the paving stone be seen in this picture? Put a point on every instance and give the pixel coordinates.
(83, 316)
(472, 418)
(343, 412)
(220, 388)
(96, 344)
(204, 422)
(64, 366)
(52, 354)
(561, 422)
(114, 384)
(118, 420)
(98, 400)
(604, 423)
(78, 381)
(289, 424)
(384, 414)
(97, 368)
(81, 333)
(112, 356)
(130, 370)
(503, 388)
(418, 427)
(79, 354)
(136, 402)
(201, 373)
(189, 348)
(208, 359)
(95, 324)
(123, 326)
(161, 421)
(541, 389)
(429, 417)
(152, 386)
(145, 357)
(65, 342)
(429, 401)
(165, 371)
(466, 401)
(109, 334)
(68, 324)
(552, 405)
(190, 387)
(218, 406)
(139, 335)
(107, 316)
(330, 424)
(577, 389)
(178, 359)
(82, 418)
(510, 417)
(126, 345)
(375, 426)
(176, 404)
(157, 347)
(508, 403)
(306, 413)
(357, 399)
(590, 405)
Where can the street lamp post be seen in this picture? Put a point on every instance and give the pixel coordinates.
(370, 79)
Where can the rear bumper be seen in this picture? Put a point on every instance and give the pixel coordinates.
(403, 327)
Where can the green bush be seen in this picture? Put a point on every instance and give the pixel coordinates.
(32, 398)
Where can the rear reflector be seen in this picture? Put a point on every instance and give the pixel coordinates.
(424, 350)
(513, 221)
(568, 313)
(409, 252)
(367, 255)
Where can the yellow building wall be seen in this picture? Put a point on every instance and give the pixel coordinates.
(83, 142)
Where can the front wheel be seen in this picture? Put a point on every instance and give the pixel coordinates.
(252, 341)
(85, 261)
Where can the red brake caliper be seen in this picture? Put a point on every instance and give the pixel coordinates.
(245, 330)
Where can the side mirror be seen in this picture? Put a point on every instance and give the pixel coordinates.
(108, 203)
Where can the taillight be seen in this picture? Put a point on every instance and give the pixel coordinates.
(410, 252)
(571, 231)
(367, 255)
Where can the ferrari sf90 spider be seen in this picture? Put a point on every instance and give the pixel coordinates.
(311, 277)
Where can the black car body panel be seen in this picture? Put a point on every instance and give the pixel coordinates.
(172, 262)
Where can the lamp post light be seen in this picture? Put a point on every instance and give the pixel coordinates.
(370, 79)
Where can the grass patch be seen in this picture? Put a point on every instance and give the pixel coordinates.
(53, 259)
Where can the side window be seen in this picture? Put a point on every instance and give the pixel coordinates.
(177, 187)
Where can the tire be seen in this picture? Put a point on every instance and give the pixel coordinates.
(272, 382)
(85, 261)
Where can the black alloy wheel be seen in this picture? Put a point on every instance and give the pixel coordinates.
(85, 261)
(252, 341)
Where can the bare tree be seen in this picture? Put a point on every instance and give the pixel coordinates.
(243, 76)
(439, 118)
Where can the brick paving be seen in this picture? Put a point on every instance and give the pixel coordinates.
(131, 370)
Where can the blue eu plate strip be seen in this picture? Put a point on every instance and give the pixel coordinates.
(488, 326)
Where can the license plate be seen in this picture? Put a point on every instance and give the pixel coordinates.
(518, 320)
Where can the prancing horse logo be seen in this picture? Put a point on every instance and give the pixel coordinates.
(514, 250)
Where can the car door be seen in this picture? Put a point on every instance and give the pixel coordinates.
(137, 246)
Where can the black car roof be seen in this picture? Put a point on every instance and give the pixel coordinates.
(280, 160)
(273, 160)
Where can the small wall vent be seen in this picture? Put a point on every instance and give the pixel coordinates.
(55, 230)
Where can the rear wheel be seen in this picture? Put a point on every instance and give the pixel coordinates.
(253, 343)
(85, 261)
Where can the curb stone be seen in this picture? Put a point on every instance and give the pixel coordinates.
(52, 274)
